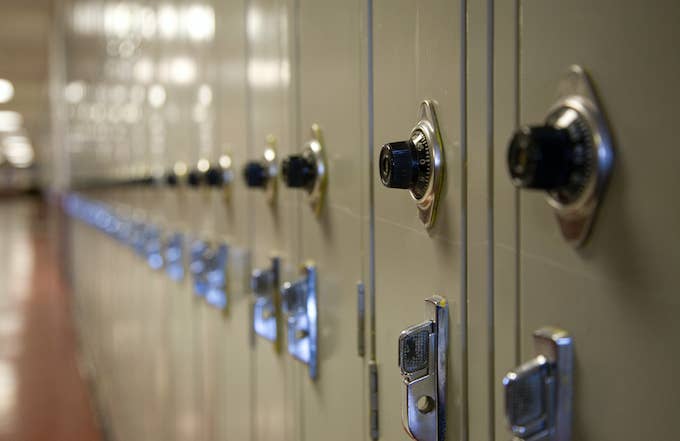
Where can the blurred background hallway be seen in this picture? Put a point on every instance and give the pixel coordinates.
(42, 393)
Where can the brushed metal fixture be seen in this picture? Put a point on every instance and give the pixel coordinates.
(417, 164)
(538, 394)
(264, 284)
(570, 156)
(423, 362)
(216, 261)
(300, 308)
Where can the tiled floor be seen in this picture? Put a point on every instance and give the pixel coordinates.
(42, 395)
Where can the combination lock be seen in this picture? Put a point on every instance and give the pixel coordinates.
(211, 174)
(423, 364)
(416, 164)
(177, 175)
(308, 170)
(569, 156)
(538, 394)
(262, 173)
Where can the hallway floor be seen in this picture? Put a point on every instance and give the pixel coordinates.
(42, 394)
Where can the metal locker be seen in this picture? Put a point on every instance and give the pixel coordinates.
(332, 110)
(614, 293)
(273, 220)
(417, 57)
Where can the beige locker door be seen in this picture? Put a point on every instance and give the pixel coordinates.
(617, 296)
(273, 229)
(332, 78)
(231, 331)
(416, 56)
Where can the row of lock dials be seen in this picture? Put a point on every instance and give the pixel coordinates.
(569, 156)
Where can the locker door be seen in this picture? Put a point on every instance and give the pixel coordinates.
(273, 229)
(231, 331)
(332, 72)
(416, 56)
(616, 295)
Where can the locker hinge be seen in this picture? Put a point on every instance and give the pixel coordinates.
(361, 319)
(373, 405)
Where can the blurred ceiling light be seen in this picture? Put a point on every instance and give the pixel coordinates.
(205, 95)
(18, 151)
(117, 19)
(183, 70)
(6, 90)
(199, 22)
(263, 73)
(167, 21)
(148, 23)
(253, 23)
(10, 121)
(74, 92)
(156, 96)
(143, 70)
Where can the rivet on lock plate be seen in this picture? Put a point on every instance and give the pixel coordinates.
(264, 284)
(538, 394)
(423, 363)
(299, 305)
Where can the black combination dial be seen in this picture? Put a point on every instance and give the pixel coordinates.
(299, 171)
(195, 177)
(171, 179)
(214, 176)
(255, 174)
(407, 164)
(555, 157)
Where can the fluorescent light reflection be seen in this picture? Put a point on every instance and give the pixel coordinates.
(6, 91)
(18, 151)
(10, 121)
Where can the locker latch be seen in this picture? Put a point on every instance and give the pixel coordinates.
(570, 156)
(308, 170)
(263, 173)
(174, 256)
(417, 164)
(216, 260)
(299, 304)
(423, 363)
(264, 283)
(538, 394)
(197, 254)
(153, 246)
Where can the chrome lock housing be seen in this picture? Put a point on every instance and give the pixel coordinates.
(264, 284)
(299, 306)
(417, 164)
(423, 362)
(216, 260)
(153, 246)
(197, 266)
(538, 394)
(308, 170)
(264, 172)
(570, 156)
(174, 256)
